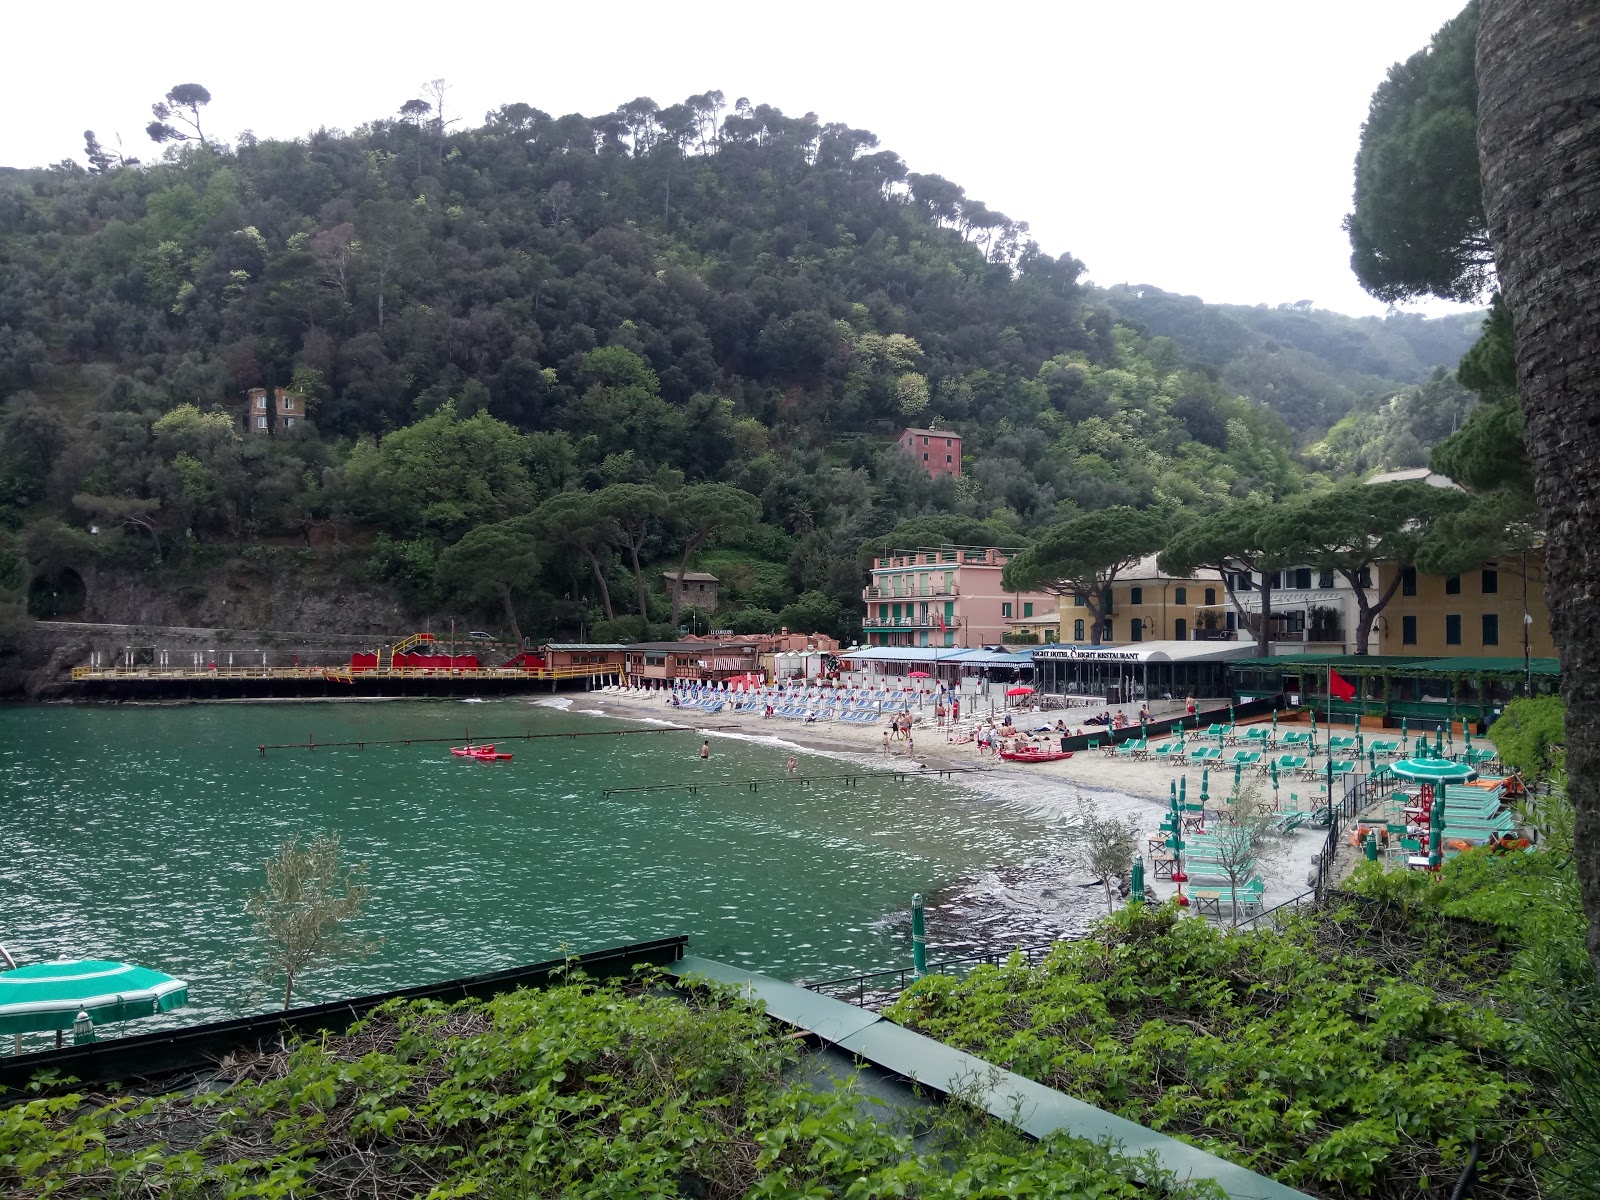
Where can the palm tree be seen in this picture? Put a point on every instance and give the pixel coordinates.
(1539, 151)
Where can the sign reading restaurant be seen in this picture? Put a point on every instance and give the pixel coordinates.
(1098, 653)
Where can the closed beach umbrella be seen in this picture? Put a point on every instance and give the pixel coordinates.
(1205, 785)
(1274, 769)
(1238, 770)
(1274, 720)
(1370, 846)
(1230, 714)
(44, 996)
(1183, 790)
(1136, 880)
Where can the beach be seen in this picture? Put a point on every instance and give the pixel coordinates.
(1010, 903)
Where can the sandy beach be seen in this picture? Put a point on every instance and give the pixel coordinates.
(1018, 901)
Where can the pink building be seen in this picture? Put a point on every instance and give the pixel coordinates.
(938, 451)
(945, 596)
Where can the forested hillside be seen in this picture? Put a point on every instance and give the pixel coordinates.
(542, 355)
(1310, 365)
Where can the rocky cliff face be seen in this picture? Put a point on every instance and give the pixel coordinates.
(278, 605)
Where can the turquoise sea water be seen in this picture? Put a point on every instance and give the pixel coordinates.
(136, 832)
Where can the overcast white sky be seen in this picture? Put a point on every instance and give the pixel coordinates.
(1205, 148)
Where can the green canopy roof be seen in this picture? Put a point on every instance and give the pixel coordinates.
(1426, 770)
(50, 995)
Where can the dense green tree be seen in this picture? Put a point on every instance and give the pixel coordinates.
(637, 513)
(1084, 555)
(703, 513)
(441, 475)
(492, 564)
(583, 522)
(1232, 539)
(1352, 528)
(1418, 227)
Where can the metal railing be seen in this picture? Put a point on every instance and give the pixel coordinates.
(928, 622)
(879, 986)
(879, 593)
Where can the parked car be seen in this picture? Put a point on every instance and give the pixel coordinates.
(479, 635)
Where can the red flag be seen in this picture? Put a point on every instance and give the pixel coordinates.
(1341, 687)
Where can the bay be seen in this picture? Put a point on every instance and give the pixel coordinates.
(136, 833)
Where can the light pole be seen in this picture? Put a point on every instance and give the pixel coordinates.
(1527, 620)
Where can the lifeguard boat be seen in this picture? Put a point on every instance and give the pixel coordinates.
(1034, 754)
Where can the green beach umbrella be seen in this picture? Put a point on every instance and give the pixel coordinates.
(1205, 785)
(44, 996)
(1238, 770)
(1405, 732)
(1136, 881)
(1274, 720)
(1438, 741)
(1274, 770)
(1172, 787)
(1183, 790)
(1433, 771)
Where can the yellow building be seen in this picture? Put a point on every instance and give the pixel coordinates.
(1147, 606)
(1478, 612)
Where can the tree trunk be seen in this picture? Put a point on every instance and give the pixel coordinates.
(1264, 633)
(600, 582)
(288, 988)
(638, 580)
(1539, 152)
(511, 616)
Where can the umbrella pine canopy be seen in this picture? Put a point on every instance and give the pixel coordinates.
(47, 996)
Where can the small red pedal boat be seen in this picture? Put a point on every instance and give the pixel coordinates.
(481, 753)
(1034, 754)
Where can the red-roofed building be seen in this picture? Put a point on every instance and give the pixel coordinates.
(937, 450)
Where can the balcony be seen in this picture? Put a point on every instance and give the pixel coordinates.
(933, 593)
(931, 621)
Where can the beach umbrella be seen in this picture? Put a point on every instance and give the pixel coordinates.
(1183, 790)
(1274, 769)
(1466, 732)
(1230, 714)
(1433, 772)
(1136, 881)
(1020, 690)
(1405, 732)
(1173, 789)
(919, 675)
(1372, 761)
(1205, 786)
(1274, 720)
(1238, 770)
(1438, 742)
(50, 995)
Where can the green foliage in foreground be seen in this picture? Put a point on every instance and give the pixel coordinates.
(1355, 1052)
(581, 1090)
(1531, 734)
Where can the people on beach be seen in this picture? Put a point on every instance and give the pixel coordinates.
(792, 764)
(1190, 707)
(886, 741)
(705, 748)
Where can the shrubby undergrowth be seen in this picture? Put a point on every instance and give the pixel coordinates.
(595, 1090)
(1363, 1050)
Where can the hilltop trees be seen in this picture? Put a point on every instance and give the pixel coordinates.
(180, 108)
(1418, 227)
(1083, 555)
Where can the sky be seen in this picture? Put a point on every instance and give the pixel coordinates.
(1205, 148)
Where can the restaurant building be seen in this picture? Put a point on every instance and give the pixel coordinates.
(1152, 671)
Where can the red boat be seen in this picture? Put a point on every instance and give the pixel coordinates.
(481, 753)
(1034, 754)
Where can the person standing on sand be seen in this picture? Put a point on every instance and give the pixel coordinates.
(886, 741)
(705, 748)
(1190, 706)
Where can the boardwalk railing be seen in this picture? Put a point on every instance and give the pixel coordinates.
(877, 985)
